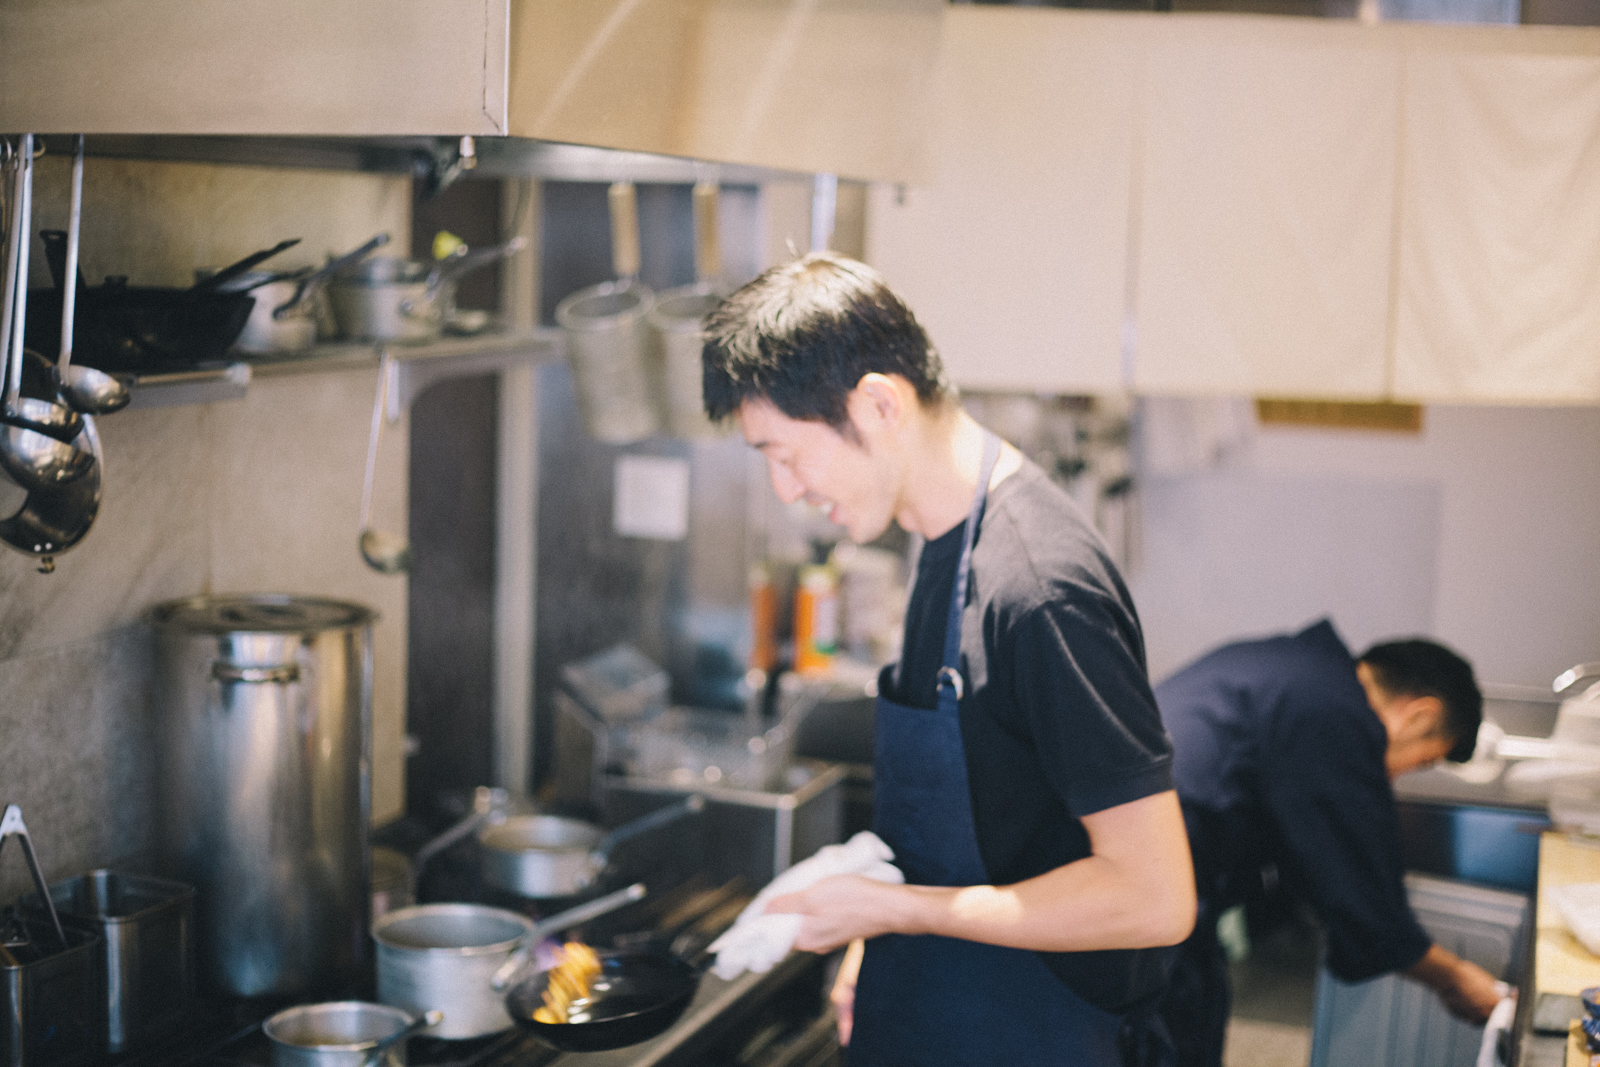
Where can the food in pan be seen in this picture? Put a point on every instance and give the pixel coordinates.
(567, 982)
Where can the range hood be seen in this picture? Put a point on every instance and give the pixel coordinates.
(818, 86)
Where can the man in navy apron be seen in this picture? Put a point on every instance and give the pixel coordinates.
(1285, 750)
(1021, 772)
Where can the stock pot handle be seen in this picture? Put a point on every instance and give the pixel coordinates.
(282, 674)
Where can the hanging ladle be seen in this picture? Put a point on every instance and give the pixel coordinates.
(83, 388)
(34, 444)
(385, 553)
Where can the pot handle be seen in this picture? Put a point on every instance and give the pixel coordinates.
(281, 674)
(660, 817)
(511, 968)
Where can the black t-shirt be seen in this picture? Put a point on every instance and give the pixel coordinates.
(1058, 721)
(1280, 761)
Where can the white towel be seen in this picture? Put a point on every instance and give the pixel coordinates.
(757, 941)
(1499, 1020)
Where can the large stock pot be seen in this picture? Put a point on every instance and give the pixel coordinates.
(265, 721)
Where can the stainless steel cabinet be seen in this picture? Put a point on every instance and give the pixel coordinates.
(1395, 1022)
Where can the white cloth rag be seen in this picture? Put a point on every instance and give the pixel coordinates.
(1499, 1021)
(757, 941)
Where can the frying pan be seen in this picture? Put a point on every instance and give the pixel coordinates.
(641, 990)
(636, 996)
(120, 327)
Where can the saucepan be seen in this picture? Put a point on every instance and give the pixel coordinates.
(387, 298)
(460, 958)
(544, 856)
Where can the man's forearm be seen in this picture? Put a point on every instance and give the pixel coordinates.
(1136, 890)
(1088, 905)
(1466, 989)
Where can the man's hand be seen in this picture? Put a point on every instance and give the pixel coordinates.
(841, 909)
(1469, 991)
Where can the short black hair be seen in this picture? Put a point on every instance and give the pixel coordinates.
(803, 334)
(1418, 668)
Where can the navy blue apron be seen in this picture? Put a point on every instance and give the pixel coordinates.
(937, 1001)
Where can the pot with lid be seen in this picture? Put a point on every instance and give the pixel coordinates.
(265, 726)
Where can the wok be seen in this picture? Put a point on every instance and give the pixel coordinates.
(121, 327)
(636, 996)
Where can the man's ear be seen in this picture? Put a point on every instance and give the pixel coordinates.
(876, 402)
(1422, 716)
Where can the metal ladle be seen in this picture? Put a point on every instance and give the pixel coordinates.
(83, 388)
(34, 447)
(385, 553)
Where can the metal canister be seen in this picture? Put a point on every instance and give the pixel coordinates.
(265, 714)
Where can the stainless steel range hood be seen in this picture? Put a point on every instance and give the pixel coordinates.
(798, 85)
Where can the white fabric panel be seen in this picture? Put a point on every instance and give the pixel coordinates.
(1499, 295)
(1014, 257)
(1267, 208)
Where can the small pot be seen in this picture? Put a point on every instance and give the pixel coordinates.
(390, 299)
(545, 856)
(265, 333)
(456, 958)
(335, 1034)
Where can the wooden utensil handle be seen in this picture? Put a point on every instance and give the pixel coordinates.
(624, 208)
(707, 247)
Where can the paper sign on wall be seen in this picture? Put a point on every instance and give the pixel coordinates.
(651, 497)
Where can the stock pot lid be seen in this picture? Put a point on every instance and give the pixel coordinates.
(260, 614)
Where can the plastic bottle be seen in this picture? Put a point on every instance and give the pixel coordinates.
(763, 619)
(816, 618)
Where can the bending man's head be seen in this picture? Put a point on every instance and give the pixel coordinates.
(803, 334)
(1429, 695)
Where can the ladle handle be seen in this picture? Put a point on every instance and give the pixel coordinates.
(623, 203)
(9, 272)
(659, 817)
(69, 293)
(19, 278)
(11, 825)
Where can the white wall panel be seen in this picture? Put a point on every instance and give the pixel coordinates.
(1014, 256)
(1499, 295)
(1267, 194)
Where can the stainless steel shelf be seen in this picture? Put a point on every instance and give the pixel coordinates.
(419, 365)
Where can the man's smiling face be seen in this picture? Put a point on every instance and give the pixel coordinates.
(812, 461)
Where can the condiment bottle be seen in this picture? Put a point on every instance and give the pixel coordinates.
(816, 618)
(763, 619)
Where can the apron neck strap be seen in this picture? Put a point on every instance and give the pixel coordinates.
(950, 672)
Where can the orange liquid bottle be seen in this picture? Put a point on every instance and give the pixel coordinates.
(816, 619)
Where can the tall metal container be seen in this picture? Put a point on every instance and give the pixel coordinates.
(266, 735)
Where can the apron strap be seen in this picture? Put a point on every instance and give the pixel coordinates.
(950, 671)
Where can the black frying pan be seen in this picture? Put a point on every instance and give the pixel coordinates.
(636, 996)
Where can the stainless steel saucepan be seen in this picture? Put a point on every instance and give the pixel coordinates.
(543, 856)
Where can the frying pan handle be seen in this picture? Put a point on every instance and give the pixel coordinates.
(660, 817)
(312, 281)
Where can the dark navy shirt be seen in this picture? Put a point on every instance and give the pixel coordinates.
(1279, 760)
(1058, 721)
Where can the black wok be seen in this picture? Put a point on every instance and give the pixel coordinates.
(136, 328)
(637, 996)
